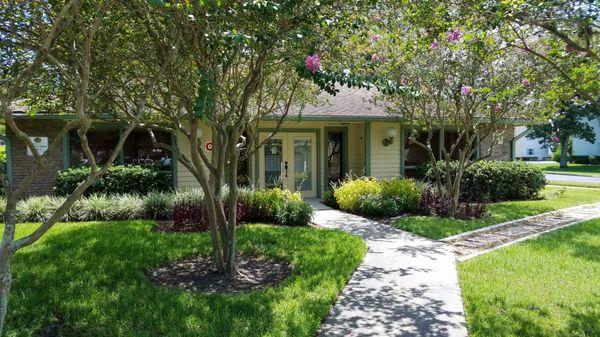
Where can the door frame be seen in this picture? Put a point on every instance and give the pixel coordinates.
(344, 131)
(317, 132)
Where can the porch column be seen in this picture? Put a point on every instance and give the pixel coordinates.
(367, 148)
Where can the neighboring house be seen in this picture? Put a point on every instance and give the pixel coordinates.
(345, 134)
(584, 148)
(529, 149)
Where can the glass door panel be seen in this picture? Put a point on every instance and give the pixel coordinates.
(273, 163)
(303, 174)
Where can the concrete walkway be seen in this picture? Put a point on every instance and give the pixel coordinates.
(406, 285)
(480, 241)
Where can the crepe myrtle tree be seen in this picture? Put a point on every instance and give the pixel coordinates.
(456, 80)
(64, 56)
(563, 34)
(233, 66)
(570, 121)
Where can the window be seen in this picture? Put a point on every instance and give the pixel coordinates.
(530, 152)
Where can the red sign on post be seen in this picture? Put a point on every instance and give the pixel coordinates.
(208, 146)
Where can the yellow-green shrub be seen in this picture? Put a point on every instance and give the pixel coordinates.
(405, 192)
(349, 192)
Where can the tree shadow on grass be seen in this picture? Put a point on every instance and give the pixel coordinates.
(91, 277)
(580, 241)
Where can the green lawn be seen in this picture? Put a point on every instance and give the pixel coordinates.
(438, 228)
(91, 277)
(549, 286)
(574, 184)
(576, 169)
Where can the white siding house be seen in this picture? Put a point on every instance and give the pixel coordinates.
(584, 148)
(530, 149)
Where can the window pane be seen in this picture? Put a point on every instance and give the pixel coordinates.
(302, 164)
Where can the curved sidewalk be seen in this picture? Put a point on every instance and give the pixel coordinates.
(405, 286)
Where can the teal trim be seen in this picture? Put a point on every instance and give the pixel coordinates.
(478, 149)
(300, 130)
(402, 148)
(9, 162)
(368, 148)
(174, 162)
(66, 150)
(345, 165)
(441, 143)
(121, 159)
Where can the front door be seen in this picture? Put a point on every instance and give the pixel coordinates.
(289, 160)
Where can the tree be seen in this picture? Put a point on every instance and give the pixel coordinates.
(241, 56)
(564, 34)
(64, 56)
(571, 121)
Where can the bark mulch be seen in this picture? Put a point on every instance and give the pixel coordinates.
(200, 274)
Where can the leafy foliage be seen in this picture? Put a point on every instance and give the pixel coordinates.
(497, 180)
(132, 179)
(349, 192)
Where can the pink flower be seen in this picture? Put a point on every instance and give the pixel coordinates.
(454, 35)
(375, 58)
(498, 108)
(434, 44)
(555, 139)
(466, 90)
(375, 38)
(313, 63)
(526, 82)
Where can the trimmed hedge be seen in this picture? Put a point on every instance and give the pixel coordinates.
(492, 181)
(131, 179)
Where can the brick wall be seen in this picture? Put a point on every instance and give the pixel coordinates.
(501, 150)
(22, 164)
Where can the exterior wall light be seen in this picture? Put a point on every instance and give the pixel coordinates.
(391, 134)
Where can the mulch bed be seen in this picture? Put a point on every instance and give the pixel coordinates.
(200, 274)
(169, 226)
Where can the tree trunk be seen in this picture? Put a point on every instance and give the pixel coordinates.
(5, 284)
(563, 152)
(5, 265)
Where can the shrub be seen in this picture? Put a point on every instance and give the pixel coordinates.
(188, 209)
(405, 192)
(97, 207)
(158, 205)
(127, 207)
(497, 180)
(294, 213)
(36, 208)
(348, 193)
(593, 160)
(502, 180)
(274, 205)
(329, 199)
(439, 203)
(376, 205)
(132, 179)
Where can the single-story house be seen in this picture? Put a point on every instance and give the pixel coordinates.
(345, 134)
(530, 149)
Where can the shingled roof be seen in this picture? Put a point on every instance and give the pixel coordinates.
(348, 103)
